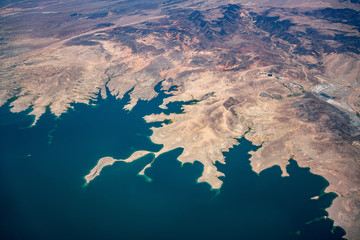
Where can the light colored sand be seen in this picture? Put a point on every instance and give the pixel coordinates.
(108, 161)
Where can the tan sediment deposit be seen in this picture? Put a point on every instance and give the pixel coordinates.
(103, 162)
(108, 161)
(284, 77)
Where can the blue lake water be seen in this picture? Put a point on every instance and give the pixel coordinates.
(43, 194)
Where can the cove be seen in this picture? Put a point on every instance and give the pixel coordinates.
(42, 193)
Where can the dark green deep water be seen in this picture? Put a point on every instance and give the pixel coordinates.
(42, 193)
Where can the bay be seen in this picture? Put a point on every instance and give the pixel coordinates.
(43, 194)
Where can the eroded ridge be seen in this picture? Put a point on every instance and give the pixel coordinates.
(108, 161)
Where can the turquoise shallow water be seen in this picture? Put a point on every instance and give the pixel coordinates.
(42, 193)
